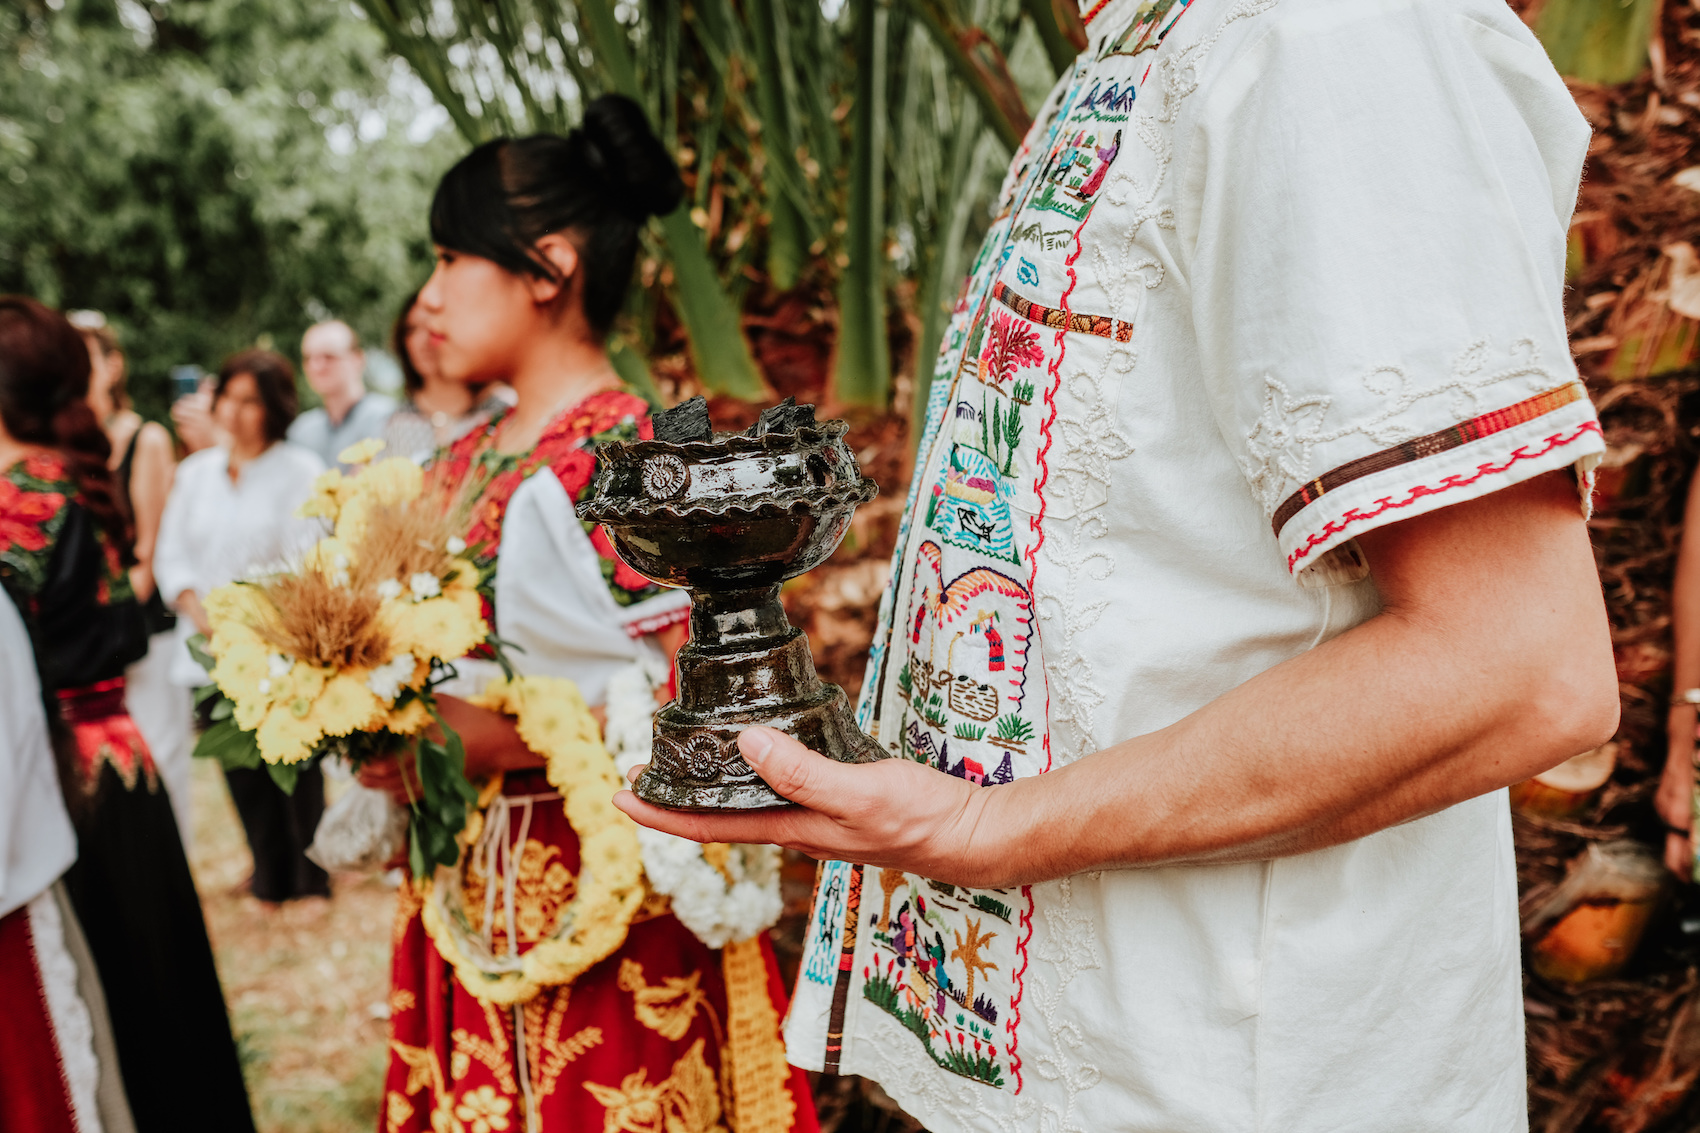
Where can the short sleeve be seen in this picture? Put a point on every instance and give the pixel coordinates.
(1382, 193)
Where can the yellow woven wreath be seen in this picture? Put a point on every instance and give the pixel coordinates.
(553, 721)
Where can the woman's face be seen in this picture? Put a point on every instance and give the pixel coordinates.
(240, 413)
(416, 340)
(475, 316)
(104, 370)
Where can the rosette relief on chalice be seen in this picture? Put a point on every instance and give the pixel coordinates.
(730, 517)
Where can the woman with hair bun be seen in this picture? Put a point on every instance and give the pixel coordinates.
(514, 1004)
(64, 561)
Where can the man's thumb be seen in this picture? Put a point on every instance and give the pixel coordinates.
(787, 766)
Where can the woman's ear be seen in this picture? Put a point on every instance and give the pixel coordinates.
(561, 254)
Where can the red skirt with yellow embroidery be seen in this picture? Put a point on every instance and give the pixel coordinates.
(641, 1041)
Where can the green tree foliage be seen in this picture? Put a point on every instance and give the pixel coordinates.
(212, 173)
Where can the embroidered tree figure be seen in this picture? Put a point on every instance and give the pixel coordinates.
(1010, 345)
(1011, 438)
(968, 951)
(891, 880)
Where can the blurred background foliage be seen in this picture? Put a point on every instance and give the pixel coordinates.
(844, 150)
(212, 173)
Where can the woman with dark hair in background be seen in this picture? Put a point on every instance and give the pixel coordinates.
(232, 511)
(631, 1021)
(64, 560)
(438, 411)
(144, 464)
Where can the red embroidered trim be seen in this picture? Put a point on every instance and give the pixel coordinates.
(1387, 503)
(1418, 448)
(655, 623)
(1093, 12)
(1061, 318)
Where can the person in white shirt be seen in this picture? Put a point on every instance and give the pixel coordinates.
(1245, 565)
(335, 366)
(233, 511)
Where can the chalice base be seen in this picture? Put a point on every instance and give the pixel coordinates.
(824, 724)
(696, 764)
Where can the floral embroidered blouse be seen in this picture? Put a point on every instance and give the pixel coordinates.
(560, 592)
(66, 577)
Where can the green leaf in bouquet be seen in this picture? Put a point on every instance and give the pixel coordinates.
(230, 745)
(285, 775)
(198, 650)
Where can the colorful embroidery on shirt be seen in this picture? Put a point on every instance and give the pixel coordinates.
(1418, 448)
(956, 677)
(1057, 319)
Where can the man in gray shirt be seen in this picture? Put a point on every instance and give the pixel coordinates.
(334, 364)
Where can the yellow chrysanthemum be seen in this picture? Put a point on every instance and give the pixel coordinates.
(361, 451)
(393, 481)
(607, 856)
(235, 612)
(351, 520)
(240, 671)
(436, 627)
(409, 719)
(285, 737)
(346, 705)
(461, 577)
(249, 714)
(330, 492)
(307, 680)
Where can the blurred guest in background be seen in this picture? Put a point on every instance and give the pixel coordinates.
(1675, 800)
(191, 417)
(335, 367)
(231, 512)
(438, 411)
(64, 562)
(143, 463)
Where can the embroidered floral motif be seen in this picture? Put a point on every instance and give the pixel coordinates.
(567, 447)
(687, 1101)
(667, 1008)
(484, 1110)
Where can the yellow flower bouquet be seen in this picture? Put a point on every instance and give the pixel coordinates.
(338, 654)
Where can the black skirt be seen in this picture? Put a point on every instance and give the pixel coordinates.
(136, 900)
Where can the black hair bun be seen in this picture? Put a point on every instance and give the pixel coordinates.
(615, 140)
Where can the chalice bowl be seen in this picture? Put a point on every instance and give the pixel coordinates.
(730, 517)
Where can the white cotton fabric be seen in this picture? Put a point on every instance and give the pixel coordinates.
(215, 531)
(37, 843)
(1323, 230)
(552, 601)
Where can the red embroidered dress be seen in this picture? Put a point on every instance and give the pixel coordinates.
(130, 885)
(643, 1039)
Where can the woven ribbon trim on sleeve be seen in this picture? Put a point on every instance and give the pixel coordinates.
(1418, 448)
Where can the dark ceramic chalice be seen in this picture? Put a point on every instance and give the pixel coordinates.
(729, 518)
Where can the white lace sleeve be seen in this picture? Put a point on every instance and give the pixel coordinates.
(1378, 267)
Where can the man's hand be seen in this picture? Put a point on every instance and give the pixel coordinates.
(1490, 662)
(893, 812)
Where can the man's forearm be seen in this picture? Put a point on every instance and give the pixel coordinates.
(1425, 705)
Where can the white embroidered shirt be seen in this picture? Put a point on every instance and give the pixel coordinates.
(1268, 274)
